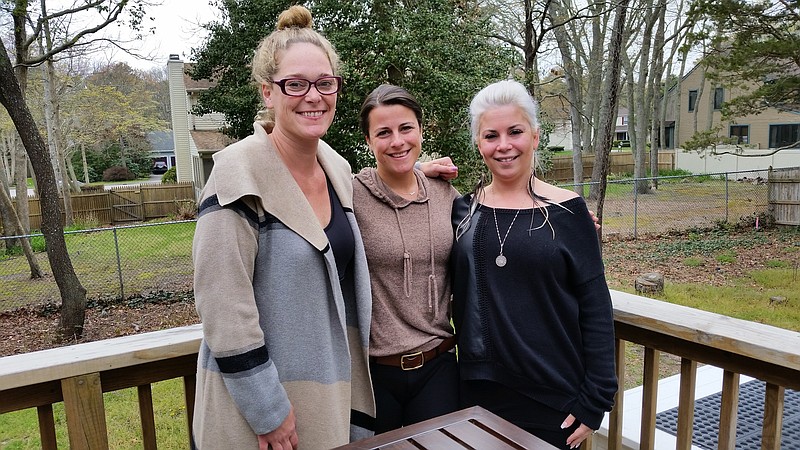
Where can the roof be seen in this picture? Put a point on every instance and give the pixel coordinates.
(210, 140)
(195, 85)
(161, 140)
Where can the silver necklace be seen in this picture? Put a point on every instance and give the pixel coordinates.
(501, 259)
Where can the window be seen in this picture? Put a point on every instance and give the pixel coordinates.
(719, 98)
(741, 132)
(784, 135)
(692, 99)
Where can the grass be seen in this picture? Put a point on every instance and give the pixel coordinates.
(151, 258)
(19, 430)
(746, 298)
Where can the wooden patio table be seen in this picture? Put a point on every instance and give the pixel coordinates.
(471, 428)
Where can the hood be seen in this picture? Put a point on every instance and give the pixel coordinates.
(370, 179)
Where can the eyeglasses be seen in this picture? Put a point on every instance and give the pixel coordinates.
(298, 87)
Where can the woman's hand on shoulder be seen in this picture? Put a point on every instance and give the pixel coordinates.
(440, 168)
(595, 220)
(282, 438)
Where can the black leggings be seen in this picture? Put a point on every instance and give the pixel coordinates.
(536, 418)
(405, 397)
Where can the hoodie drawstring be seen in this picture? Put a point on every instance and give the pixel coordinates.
(407, 269)
(433, 288)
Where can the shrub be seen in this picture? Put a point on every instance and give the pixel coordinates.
(170, 176)
(118, 173)
(187, 209)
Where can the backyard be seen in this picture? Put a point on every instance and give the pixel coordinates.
(734, 272)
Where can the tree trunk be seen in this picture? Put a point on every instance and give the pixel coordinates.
(53, 141)
(85, 166)
(609, 96)
(574, 94)
(20, 157)
(15, 227)
(6, 210)
(656, 135)
(643, 111)
(73, 294)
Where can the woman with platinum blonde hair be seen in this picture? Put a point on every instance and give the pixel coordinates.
(531, 305)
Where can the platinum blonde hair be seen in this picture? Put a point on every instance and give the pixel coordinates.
(495, 95)
(502, 93)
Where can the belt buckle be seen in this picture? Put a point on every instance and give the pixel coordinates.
(411, 356)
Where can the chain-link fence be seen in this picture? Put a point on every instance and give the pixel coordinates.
(131, 261)
(680, 202)
(111, 263)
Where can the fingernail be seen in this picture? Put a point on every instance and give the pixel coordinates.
(563, 425)
(453, 168)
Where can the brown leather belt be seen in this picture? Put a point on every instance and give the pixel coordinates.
(411, 361)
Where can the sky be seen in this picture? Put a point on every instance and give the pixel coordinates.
(176, 30)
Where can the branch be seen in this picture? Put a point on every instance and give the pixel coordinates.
(72, 41)
(785, 147)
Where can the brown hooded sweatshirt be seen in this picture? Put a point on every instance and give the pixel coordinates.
(408, 244)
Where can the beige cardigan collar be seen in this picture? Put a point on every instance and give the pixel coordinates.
(252, 167)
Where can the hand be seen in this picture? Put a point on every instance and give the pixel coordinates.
(595, 220)
(282, 438)
(579, 435)
(440, 167)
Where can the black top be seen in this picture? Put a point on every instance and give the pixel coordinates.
(542, 324)
(340, 235)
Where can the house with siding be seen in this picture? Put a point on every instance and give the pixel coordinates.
(163, 147)
(700, 101)
(196, 137)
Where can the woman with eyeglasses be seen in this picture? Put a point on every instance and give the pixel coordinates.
(281, 282)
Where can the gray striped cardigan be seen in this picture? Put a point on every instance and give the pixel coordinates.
(279, 328)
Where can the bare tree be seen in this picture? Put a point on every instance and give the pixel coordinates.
(73, 294)
(12, 86)
(609, 100)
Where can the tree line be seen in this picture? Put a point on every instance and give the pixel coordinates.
(580, 59)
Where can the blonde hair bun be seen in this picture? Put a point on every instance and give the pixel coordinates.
(296, 16)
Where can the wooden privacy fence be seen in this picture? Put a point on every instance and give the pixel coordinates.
(784, 195)
(621, 163)
(124, 204)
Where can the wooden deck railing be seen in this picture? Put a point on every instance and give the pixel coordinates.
(739, 347)
(79, 374)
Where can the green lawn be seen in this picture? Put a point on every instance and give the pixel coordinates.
(19, 430)
(744, 297)
(151, 258)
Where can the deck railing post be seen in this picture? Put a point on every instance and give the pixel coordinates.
(773, 417)
(86, 417)
(729, 411)
(686, 404)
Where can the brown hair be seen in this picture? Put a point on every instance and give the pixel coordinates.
(387, 94)
(294, 26)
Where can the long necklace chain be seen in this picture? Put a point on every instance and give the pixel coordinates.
(501, 259)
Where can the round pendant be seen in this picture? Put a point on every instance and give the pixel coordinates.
(500, 261)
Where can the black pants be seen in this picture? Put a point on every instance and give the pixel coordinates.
(536, 418)
(405, 397)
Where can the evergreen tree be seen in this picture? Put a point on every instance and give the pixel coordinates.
(756, 46)
(437, 49)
